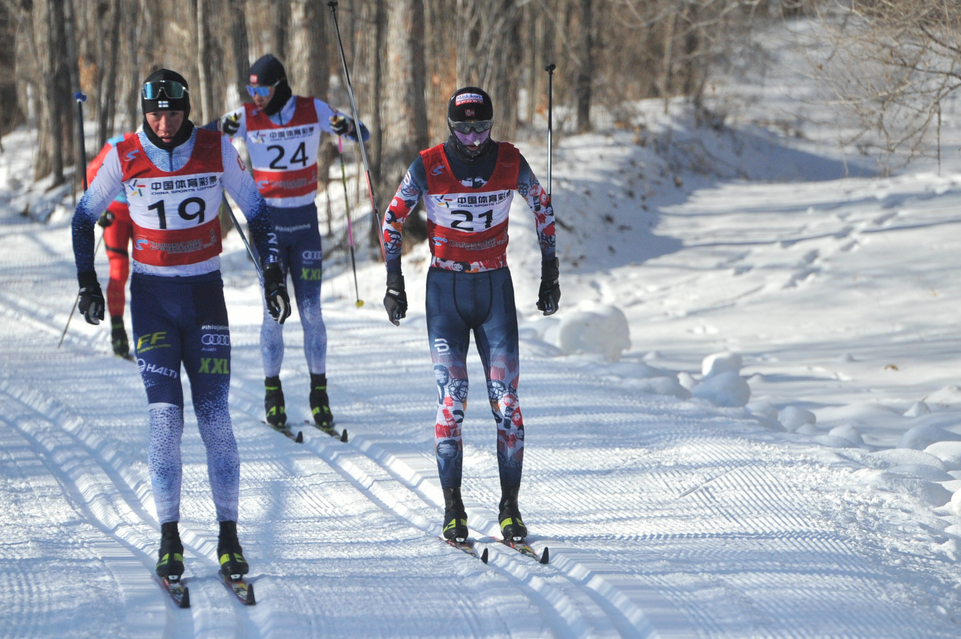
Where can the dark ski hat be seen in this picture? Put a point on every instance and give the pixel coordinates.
(470, 103)
(267, 71)
(165, 90)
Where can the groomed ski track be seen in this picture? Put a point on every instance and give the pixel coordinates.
(661, 522)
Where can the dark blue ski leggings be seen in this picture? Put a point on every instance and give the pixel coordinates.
(458, 303)
(183, 321)
(301, 255)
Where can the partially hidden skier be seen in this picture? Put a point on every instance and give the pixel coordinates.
(173, 176)
(467, 185)
(282, 133)
(117, 232)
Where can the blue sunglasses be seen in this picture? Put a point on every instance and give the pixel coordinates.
(261, 91)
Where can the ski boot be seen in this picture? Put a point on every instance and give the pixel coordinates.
(512, 526)
(319, 403)
(232, 562)
(274, 402)
(455, 517)
(171, 563)
(118, 337)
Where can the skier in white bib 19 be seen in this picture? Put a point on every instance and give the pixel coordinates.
(173, 176)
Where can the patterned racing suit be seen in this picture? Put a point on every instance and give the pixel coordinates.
(469, 288)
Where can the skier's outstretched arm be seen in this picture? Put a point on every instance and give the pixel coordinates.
(549, 294)
(411, 190)
(242, 189)
(338, 123)
(105, 187)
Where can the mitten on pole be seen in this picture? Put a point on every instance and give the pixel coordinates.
(550, 291)
(275, 292)
(91, 302)
(395, 301)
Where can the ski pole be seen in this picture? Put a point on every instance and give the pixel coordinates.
(350, 230)
(360, 137)
(80, 98)
(550, 125)
(243, 237)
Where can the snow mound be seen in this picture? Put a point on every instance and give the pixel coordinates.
(727, 389)
(944, 398)
(928, 492)
(602, 330)
(894, 457)
(721, 363)
(660, 386)
(949, 452)
(918, 409)
(920, 437)
(848, 432)
(955, 507)
(794, 417)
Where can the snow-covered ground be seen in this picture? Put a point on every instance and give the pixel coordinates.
(744, 422)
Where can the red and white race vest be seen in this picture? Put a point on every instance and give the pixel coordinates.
(466, 224)
(284, 158)
(174, 214)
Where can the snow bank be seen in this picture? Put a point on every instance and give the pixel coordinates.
(722, 384)
(598, 329)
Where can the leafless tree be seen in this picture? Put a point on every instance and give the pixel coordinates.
(892, 64)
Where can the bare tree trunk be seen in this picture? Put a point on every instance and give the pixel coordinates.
(281, 15)
(134, 21)
(665, 83)
(309, 68)
(108, 98)
(203, 59)
(376, 122)
(241, 54)
(48, 18)
(405, 121)
(10, 113)
(585, 71)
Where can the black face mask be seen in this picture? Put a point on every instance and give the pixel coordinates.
(462, 153)
(282, 94)
(186, 129)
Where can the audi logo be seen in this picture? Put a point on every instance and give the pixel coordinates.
(313, 255)
(215, 340)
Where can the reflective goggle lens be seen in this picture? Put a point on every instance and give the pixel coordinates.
(466, 127)
(172, 90)
(261, 91)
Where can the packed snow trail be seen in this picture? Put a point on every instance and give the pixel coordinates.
(665, 518)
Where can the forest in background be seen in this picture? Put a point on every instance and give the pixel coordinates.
(889, 63)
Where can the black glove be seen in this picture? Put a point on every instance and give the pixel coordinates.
(91, 302)
(550, 292)
(230, 124)
(341, 125)
(106, 219)
(275, 292)
(396, 299)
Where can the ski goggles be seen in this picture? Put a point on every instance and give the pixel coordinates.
(171, 89)
(474, 125)
(261, 91)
